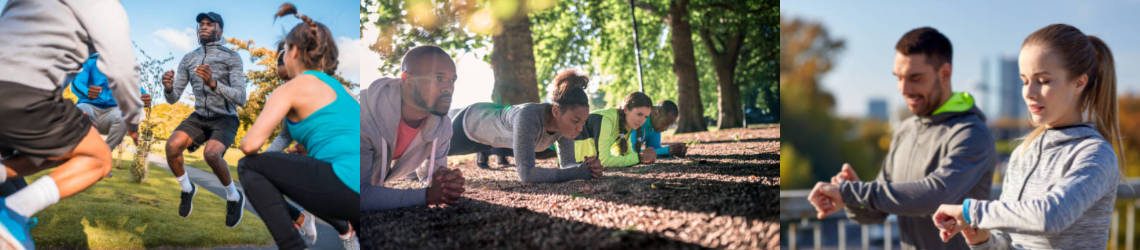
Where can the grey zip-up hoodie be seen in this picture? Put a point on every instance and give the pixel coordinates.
(1058, 193)
(43, 44)
(932, 160)
(379, 121)
(225, 68)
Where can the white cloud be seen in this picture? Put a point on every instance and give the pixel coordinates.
(475, 81)
(348, 55)
(180, 41)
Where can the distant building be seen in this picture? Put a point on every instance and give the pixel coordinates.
(1001, 99)
(877, 110)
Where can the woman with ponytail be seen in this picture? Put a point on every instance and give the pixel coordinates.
(319, 114)
(528, 128)
(607, 134)
(1060, 183)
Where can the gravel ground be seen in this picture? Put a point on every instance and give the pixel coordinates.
(725, 194)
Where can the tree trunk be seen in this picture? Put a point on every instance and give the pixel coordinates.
(512, 61)
(684, 67)
(731, 115)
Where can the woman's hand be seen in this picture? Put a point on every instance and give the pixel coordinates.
(976, 236)
(594, 165)
(948, 219)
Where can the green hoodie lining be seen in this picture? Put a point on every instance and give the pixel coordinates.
(958, 102)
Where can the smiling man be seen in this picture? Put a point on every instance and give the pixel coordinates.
(943, 154)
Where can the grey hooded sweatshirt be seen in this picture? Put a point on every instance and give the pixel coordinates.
(43, 44)
(1058, 193)
(940, 159)
(225, 69)
(379, 121)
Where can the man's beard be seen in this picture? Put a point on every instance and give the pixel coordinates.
(932, 104)
(419, 100)
(208, 39)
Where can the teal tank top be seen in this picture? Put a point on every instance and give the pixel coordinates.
(332, 133)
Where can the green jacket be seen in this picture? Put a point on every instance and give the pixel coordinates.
(601, 137)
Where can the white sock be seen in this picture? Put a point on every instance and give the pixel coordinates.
(185, 181)
(231, 192)
(34, 197)
(3, 172)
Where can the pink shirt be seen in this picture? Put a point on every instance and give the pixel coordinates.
(404, 135)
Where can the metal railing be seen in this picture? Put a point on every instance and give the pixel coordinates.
(798, 216)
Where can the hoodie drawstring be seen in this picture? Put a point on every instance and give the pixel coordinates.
(378, 176)
(431, 162)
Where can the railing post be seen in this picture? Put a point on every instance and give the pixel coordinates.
(792, 235)
(887, 235)
(1130, 225)
(817, 232)
(843, 234)
(866, 236)
(1113, 231)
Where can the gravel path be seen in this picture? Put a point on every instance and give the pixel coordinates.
(725, 194)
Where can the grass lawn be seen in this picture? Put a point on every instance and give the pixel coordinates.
(117, 213)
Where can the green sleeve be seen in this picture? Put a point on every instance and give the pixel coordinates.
(607, 138)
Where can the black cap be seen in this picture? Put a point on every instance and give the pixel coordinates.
(213, 17)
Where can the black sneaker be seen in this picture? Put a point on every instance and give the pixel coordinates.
(234, 210)
(187, 204)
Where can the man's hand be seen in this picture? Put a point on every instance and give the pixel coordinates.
(677, 149)
(826, 199)
(847, 173)
(203, 71)
(93, 91)
(168, 81)
(146, 100)
(594, 165)
(648, 156)
(446, 187)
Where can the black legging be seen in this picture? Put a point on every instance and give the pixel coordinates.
(270, 177)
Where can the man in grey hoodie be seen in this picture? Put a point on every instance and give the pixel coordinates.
(403, 126)
(218, 81)
(944, 154)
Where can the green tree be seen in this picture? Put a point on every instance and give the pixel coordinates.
(807, 52)
(150, 73)
(731, 30)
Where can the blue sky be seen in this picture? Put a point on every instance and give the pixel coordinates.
(978, 30)
(167, 27)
